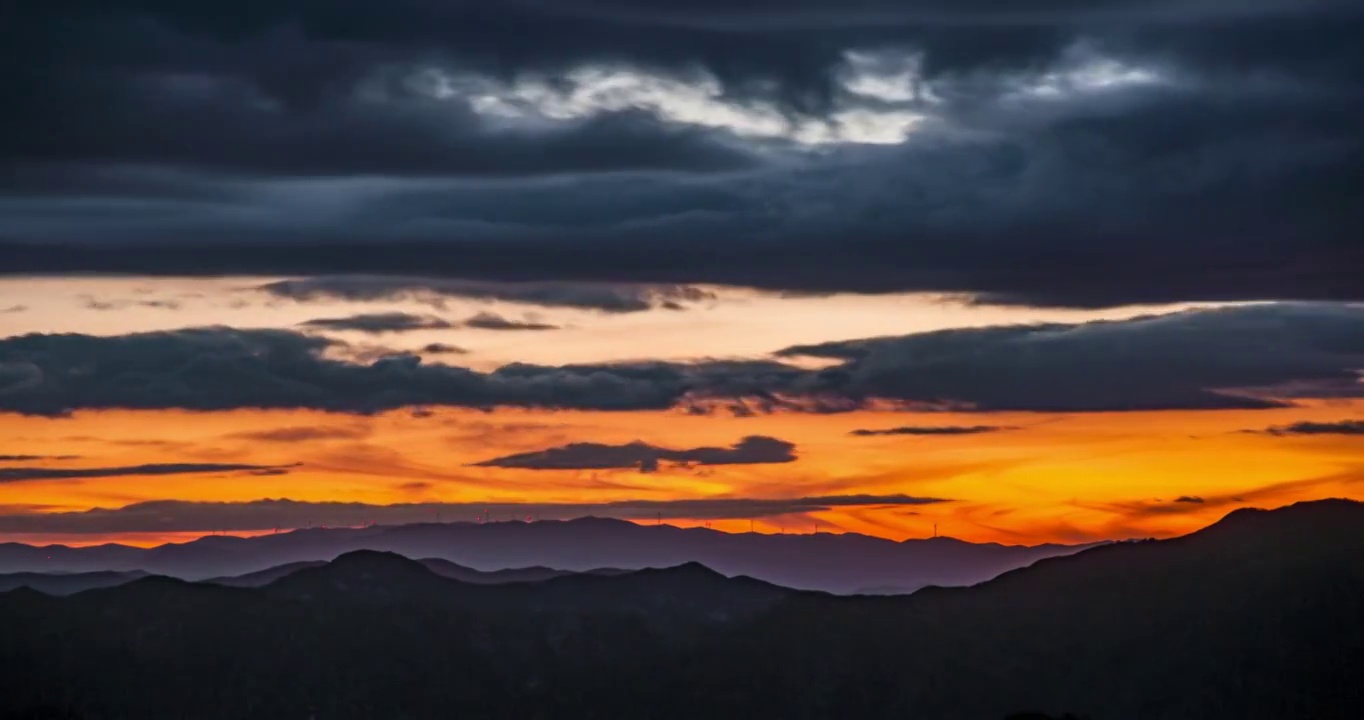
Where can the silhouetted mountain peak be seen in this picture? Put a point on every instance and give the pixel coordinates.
(693, 576)
(157, 581)
(1327, 509)
(363, 573)
(25, 593)
(374, 558)
(376, 564)
(692, 570)
(148, 589)
(944, 540)
(67, 583)
(593, 520)
(1315, 518)
(260, 578)
(217, 541)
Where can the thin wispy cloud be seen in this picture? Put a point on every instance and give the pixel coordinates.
(438, 292)
(493, 321)
(380, 323)
(1344, 427)
(26, 474)
(930, 430)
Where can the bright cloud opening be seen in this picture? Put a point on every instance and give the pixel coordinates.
(697, 100)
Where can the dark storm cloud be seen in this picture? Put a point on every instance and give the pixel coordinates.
(23, 474)
(1344, 427)
(752, 450)
(493, 321)
(300, 138)
(223, 368)
(931, 430)
(1179, 360)
(1107, 212)
(180, 516)
(31, 458)
(1253, 356)
(792, 44)
(379, 323)
(191, 117)
(435, 291)
(1192, 499)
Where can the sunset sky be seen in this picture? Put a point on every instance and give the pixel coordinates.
(1084, 272)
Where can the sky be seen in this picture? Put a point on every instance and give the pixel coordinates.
(1054, 271)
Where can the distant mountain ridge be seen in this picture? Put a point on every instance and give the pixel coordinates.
(71, 583)
(67, 583)
(839, 563)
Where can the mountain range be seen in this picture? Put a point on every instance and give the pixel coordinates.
(1257, 616)
(71, 583)
(838, 563)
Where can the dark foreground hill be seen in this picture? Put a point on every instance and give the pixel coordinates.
(824, 561)
(1258, 616)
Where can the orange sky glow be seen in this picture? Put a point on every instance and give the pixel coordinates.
(1059, 478)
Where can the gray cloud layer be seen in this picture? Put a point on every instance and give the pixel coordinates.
(1068, 153)
(182, 516)
(22, 474)
(755, 449)
(1191, 360)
